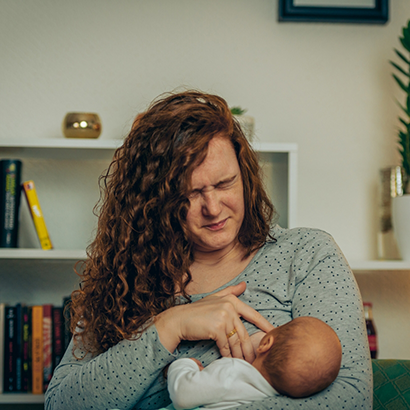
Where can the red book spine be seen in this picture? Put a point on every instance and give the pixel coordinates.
(47, 344)
(58, 336)
(26, 356)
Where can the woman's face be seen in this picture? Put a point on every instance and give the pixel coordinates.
(216, 200)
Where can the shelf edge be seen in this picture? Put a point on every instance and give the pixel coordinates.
(60, 254)
(376, 265)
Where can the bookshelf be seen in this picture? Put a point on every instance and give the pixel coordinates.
(66, 173)
(379, 265)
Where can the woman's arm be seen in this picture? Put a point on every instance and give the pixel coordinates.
(132, 370)
(322, 285)
(117, 378)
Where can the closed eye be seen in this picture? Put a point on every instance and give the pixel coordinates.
(226, 184)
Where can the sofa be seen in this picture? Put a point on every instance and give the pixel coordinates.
(391, 384)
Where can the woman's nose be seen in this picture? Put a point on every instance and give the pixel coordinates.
(211, 204)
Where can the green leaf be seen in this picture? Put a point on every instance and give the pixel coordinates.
(405, 43)
(399, 68)
(403, 108)
(406, 32)
(401, 55)
(404, 87)
(404, 122)
(238, 111)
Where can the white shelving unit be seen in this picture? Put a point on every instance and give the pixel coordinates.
(373, 266)
(66, 173)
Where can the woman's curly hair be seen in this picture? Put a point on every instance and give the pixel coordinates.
(141, 253)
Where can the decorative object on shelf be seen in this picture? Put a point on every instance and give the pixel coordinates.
(389, 187)
(10, 193)
(246, 122)
(81, 125)
(401, 203)
(326, 11)
(401, 224)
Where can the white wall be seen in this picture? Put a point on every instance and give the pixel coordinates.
(326, 87)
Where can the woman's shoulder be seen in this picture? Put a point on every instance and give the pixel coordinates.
(300, 236)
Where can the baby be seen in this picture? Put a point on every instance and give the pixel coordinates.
(297, 359)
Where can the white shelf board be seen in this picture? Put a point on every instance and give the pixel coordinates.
(53, 254)
(23, 398)
(83, 143)
(274, 147)
(64, 143)
(370, 266)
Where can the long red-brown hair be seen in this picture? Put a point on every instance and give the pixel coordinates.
(141, 253)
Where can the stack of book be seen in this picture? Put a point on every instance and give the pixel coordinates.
(10, 193)
(33, 340)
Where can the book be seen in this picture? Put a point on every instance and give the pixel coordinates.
(2, 330)
(26, 354)
(10, 193)
(67, 321)
(10, 350)
(37, 214)
(47, 345)
(37, 349)
(19, 346)
(58, 336)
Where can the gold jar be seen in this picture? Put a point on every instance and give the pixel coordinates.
(81, 125)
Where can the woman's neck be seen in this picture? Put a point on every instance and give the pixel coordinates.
(219, 256)
(211, 270)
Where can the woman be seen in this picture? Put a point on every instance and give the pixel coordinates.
(183, 251)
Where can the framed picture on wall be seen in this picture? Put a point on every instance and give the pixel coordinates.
(335, 11)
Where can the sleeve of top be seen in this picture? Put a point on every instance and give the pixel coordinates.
(225, 381)
(189, 387)
(322, 285)
(117, 378)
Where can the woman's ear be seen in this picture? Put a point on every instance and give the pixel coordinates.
(266, 343)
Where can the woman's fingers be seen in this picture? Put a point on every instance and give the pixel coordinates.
(251, 315)
(244, 310)
(213, 317)
(240, 343)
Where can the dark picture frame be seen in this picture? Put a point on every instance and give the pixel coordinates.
(379, 14)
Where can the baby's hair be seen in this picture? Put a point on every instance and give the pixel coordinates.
(305, 357)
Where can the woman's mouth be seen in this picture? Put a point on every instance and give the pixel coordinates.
(216, 226)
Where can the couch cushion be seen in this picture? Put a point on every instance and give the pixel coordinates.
(391, 384)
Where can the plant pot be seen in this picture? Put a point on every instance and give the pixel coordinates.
(247, 124)
(401, 224)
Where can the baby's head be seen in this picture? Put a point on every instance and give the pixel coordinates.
(300, 358)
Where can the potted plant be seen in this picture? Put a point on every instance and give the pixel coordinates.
(401, 203)
(246, 122)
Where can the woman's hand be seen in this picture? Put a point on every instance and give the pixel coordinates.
(213, 317)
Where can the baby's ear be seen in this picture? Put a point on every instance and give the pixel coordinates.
(266, 343)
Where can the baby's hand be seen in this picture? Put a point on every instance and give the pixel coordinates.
(256, 339)
(198, 363)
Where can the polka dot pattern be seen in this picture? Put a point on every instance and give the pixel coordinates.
(303, 273)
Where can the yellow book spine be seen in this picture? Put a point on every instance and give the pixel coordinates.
(37, 215)
(37, 349)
